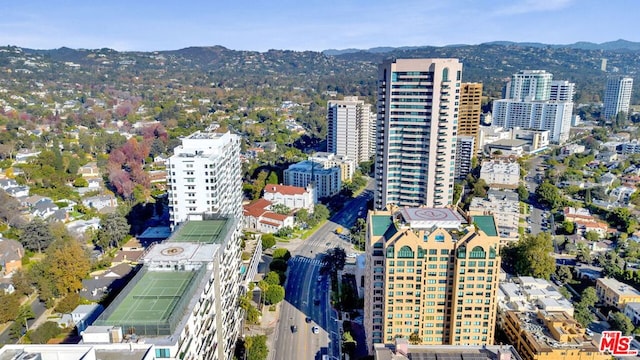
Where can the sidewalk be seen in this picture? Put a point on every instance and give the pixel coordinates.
(268, 326)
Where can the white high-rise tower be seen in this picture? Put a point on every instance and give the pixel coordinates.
(204, 177)
(617, 95)
(348, 126)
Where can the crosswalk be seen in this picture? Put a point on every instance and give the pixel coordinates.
(305, 260)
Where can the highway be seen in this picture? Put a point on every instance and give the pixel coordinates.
(308, 293)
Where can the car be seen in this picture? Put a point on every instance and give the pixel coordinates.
(589, 332)
(315, 329)
(352, 255)
(320, 278)
(294, 329)
(307, 319)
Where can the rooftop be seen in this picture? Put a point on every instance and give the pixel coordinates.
(618, 287)
(380, 224)
(486, 223)
(153, 302)
(204, 232)
(423, 218)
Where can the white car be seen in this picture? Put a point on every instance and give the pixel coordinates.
(352, 255)
(315, 329)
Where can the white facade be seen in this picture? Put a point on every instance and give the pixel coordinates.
(327, 182)
(418, 102)
(328, 160)
(348, 128)
(464, 154)
(292, 197)
(500, 173)
(204, 177)
(505, 208)
(617, 96)
(529, 85)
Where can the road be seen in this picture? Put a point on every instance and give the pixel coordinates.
(537, 214)
(308, 293)
(38, 309)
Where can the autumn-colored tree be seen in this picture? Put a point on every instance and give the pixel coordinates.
(68, 264)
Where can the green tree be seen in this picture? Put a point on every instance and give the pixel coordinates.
(592, 235)
(334, 260)
(281, 253)
(274, 294)
(302, 216)
(621, 322)
(272, 278)
(68, 303)
(280, 209)
(258, 185)
(531, 256)
(113, 229)
(589, 297)
(36, 235)
(549, 194)
(523, 193)
(414, 338)
(273, 178)
(80, 182)
(256, 347)
(268, 241)
(22, 283)
(569, 227)
(45, 332)
(564, 274)
(9, 304)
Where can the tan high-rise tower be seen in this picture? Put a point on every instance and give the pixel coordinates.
(470, 111)
(431, 277)
(416, 132)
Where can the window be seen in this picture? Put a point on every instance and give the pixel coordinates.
(462, 252)
(163, 353)
(445, 74)
(477, 253)
(405, 252)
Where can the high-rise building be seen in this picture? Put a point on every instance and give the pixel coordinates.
(326, 181)
(184, 299)
(416, 128)
(204, 177)
(464, 154)
(617, 95)
(470, 111)
(534, 101)
(348, 128)
(431, 276)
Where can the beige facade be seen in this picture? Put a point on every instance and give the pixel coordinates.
(615, 293)
(431, 276)
(470, 111)
(349, 123)
(418, 101)
(550, 336)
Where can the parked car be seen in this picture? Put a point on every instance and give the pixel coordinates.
(315, 329)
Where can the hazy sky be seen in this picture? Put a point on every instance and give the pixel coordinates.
(310, 24)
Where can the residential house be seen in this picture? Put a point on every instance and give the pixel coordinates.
(607, 179)
(18, 191)
(257, 216)
(571, 149)
(43, 209)
(100, 202)
(6, 287)
(113, 279)
(81, 317)
(8, 183)
(293, 197)
(79, 227)
(630, 180)
(632, 310)
(584, 226)
(89, 170)
(11, 253)
(24, 155)
(622, 194)
(607, 156)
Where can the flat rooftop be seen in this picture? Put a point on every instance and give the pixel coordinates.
(153, 302)
(423, 218)
(486, 223)
(203, 232)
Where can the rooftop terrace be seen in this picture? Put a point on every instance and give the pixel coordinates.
(203, 232)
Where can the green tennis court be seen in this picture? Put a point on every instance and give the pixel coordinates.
(153, 299)
(206, 232)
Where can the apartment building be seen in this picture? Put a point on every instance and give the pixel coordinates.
(617, 96)
(501, 173)
(349, 123)
(204, 177)
(417, 129)
(184, 300)
(432, 276)
(614, 293)
(328, 160)
(326, 181)
(504, 205)
(549, 335)
(470, 111)
(465, 151)
(403, 350)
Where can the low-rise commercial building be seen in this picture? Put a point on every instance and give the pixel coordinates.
(293, 197)
(501, 173)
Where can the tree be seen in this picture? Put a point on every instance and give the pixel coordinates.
(113, 229)
(620, 321)
(68, 264)
(22, 283)
(589, 297)
(334, 260)
(268, 241)
(549, 194)
(9, 304)
(273, 178)
(274, 294)
(569, 227)
(280, 209)
(302, 216)
(531, 256)
(256, 347)
(258, 185)
(272, 278)
(45, 332)
(564, 274)
(36, 235)
(68, 303)
(592, 235)
(523, 193)
(80, 182)
(414, 338)
(281, 253)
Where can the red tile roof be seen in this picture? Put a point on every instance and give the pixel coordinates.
(284, 189)
(256, 208)
(274, 216)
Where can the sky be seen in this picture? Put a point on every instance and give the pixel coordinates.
(260, 25)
